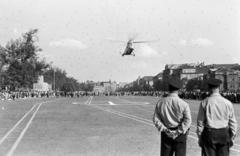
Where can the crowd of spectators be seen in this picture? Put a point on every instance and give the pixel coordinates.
(193, 95)
(234, 97)
(13, 95)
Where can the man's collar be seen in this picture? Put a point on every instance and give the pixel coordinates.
(215, 94)
(174, 94)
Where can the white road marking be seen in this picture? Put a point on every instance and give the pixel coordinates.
(145, 121)
(136, 118)
(13, 128)
(120, 114)
(91, 97)
(111, 103)
(89, 100)
(135, 103)
(121, 104)
(11, 151)
(145, 110)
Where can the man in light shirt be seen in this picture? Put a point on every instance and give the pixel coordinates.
(216, 122)
(172, 118)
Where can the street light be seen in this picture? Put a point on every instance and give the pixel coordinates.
(54, 81)
(54, 78)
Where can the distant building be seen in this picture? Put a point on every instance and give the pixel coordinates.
(121, 84)
(229, 77)
(41, 85)
(105, 87)
(159, 76)
(147, 80)
(225, 66)
(185, 71)
(233, 83)
(228, 73)
(221, 75)
(98, 88)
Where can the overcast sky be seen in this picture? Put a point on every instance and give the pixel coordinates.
(75, 34)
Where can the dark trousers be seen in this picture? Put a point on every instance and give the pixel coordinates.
(169, 147)
(215, 142)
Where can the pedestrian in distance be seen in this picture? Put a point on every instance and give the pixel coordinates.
(172, 118)
(216, 122)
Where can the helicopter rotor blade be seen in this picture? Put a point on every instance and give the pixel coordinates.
(145, 41)
(117, 41)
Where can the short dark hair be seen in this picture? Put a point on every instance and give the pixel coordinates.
(172, 88)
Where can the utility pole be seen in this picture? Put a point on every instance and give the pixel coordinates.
(54, 81)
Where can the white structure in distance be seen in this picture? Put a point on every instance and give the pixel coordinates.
(41, 85)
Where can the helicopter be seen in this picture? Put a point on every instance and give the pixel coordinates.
(129, 50)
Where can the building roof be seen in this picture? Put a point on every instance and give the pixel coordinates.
(226, 66)
(184, 66)
(203, 70)
(147, 78)
(159, 75)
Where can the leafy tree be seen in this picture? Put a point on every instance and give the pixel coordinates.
(160, 85)
(3, 63)
(68, 87)
(21, 57)
(61, 80)
(194, 84)
(86, 86)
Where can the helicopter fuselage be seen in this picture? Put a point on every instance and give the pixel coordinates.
(129, 49)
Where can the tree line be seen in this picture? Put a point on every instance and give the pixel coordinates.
(20, 66)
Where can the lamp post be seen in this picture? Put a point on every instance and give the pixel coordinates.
(54, 81)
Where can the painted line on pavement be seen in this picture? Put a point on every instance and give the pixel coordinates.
(145, 121)
(139, 119)
(14, 127)
(119, 114)
(91, 97)
(13, 148)
(89, 100)
(133, 102)
(111, 103)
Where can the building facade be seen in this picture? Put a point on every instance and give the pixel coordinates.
(225, 72)
(41, 85)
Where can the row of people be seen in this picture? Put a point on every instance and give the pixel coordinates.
(13, 95)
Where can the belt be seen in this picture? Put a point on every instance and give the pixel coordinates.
(208, 128)
(173, 128)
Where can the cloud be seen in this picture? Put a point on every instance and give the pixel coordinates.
(183, 42)
(146, 51)
(200, 42)
(68, 43)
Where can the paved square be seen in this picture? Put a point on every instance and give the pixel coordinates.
(100, 125)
